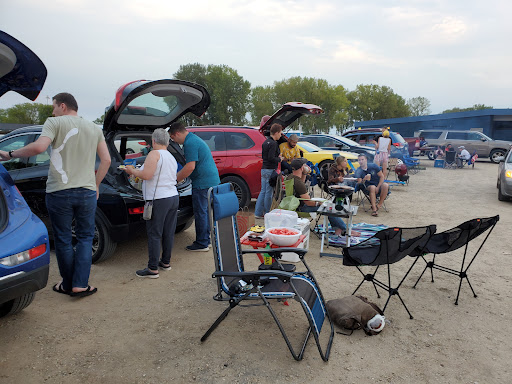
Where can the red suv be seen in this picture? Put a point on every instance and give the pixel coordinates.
(237, 154)
(237, 150)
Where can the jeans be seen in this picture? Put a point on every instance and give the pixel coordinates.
(78, 204)
(200, 207)
(336, 222)
(265, 197)
(161, 230)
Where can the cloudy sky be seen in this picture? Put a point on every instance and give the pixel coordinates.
(455, 53)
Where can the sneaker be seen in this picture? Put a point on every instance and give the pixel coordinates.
(197, 248)
(163, 267)
(147, 273)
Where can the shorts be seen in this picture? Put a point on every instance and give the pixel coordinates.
(381, 157)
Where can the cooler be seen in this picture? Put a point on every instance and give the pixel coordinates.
(303, 226)
(438, 163)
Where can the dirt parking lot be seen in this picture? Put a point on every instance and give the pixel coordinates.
(147, 331)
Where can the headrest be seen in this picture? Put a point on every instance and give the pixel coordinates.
(225, 202)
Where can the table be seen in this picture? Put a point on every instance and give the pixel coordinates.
(244, 240)
(328, 211)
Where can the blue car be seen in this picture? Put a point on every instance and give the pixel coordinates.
(24, 246)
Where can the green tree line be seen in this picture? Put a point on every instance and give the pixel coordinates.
(235, 102)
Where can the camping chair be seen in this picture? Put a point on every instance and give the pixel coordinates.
(453, 239)
(236, 285)
(470, 161)
(387, 247)
(412, 164)
(363, 196)
(449, 160)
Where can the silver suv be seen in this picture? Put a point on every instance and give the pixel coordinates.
(473, 141)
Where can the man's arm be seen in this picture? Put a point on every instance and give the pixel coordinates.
(105, 160)
(32, 149)
(308, 201)
(186, 171)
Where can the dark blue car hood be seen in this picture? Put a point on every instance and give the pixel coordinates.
(21, 70)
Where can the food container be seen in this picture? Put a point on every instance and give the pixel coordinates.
(280, 218)
(283, 240)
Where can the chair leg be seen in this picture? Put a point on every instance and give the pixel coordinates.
(232, 304)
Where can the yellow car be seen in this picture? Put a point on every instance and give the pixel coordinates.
(324, 158)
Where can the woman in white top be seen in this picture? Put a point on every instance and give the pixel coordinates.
(159, 184)
(383, 150)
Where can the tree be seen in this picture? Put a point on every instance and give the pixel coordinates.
(229, 93)
(475, 107)
(100, 120)
(332, 99)
(419, 106)
(374, 102)
(26, 113)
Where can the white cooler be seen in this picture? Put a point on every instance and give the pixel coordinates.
(303, 226)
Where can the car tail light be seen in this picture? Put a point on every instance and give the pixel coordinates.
(136, 210)
(508, 174)
(22, 257)
(119, 93)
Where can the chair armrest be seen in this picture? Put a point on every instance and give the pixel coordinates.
(249, 277)
(276, 252)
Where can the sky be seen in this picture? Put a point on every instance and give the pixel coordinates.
(454, 53)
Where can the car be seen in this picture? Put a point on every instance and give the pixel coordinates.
(323, 158)
(237, 150)
(24, 241)
(473, 141)
(138, 109)
(504, 182)
(237, 154)
(366, 136)
(331, 142)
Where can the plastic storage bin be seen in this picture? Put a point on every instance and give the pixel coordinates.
(438, 163)
(280, 218)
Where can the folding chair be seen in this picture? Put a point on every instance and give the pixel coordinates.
(387, 247)
(451, 240)
(449, 160)
(363, 196)
(236, 285)
(412, 164)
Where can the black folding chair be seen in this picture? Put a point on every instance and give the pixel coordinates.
(449, 160)
(387, 247)
(451, 240)
(280, 283)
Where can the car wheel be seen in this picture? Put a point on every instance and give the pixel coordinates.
(496, 154)
(431, 155)
(501, 196)
(241, 189)
(16, 305)
(182, 227)
(326, 164)
(102, 245)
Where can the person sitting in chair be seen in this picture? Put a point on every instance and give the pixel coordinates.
(463, 156)
(300, 191)
(337, 171)
(289, 151)
(371, 178)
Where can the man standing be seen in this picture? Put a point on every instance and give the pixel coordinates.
(271, 159)
(289, 151)
(204, 174)
(371, 178)
(72, 188)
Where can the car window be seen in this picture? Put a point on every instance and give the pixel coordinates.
(326, 142)
(238, 140)
(397, 138)
(130, 147)
(348, 141)
(40, 159)
(313, 140)
(433, 135)
(12, 144)
(474, 136)
(309, 147)
(215, 139)
(456, 135)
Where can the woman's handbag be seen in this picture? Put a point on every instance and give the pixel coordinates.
(148, 205)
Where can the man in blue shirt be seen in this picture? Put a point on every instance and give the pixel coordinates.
(204, 174)
(371, 178)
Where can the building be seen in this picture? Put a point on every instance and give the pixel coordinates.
(495, 123)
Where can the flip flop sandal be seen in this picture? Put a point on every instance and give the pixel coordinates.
(85, 293)
(60, 290)
(374, 213)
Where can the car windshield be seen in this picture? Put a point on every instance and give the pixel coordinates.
(309, 147)
(485, 136)
(348, 141)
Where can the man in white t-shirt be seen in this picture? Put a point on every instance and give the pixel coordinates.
(72, 188)
(463, 156)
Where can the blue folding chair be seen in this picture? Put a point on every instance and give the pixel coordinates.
(237, 285)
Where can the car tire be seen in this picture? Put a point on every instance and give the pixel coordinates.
(103, 246)
(495, 153)
(431, 155)
(182, 227)
(16, 305)
(326, 164)
(501, 196)
(241, 189)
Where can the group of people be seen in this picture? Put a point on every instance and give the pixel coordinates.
(462, 156)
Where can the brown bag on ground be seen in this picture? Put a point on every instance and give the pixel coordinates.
(245, 220)
(354, 312)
